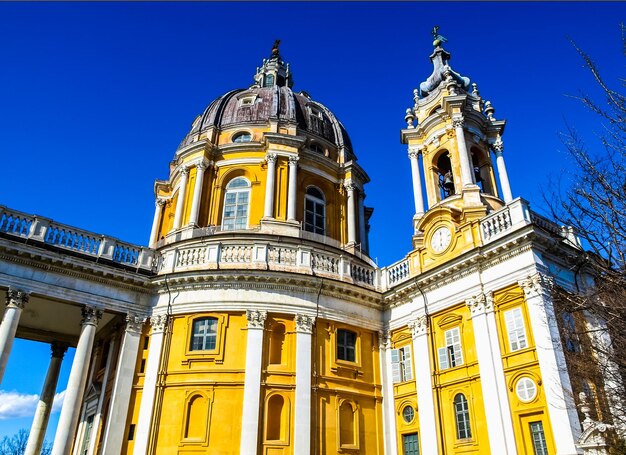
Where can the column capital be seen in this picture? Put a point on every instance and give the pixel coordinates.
(418, 326)
(158, 322)
(415, 151)
(384, 339)
(256, 318)
(271, 157)
(498, 145)
(480, 304)
(458, 121)
(17, 298)
(91, 315)
(201, 166)
(184, 170)
(537, 284)
(349, 186)
(58, 349)
(293, 160)
(304, 323)
(134, 323)
(160, 202)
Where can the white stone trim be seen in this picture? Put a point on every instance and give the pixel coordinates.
(389, 417)
(302, 411)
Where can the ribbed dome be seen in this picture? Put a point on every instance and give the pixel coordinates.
(260, 105)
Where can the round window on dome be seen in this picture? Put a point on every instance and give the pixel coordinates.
(408, 414)
(242, 137)
(526, 389)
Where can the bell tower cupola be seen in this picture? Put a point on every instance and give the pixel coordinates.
(274, 71)
(453, 139)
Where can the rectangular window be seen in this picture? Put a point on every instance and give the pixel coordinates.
(87, 437)
(401, 366)
(410, 444)
(515, 329)
(346, 345)
(204, 336)
(539, 438)
(146, 342)
(131, 432)
(450, 355)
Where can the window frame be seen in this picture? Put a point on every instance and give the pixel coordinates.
(463, 427)
(237, 190)
(212, 336)
(416, 441)
(317, 202)
(344, 346)
(451, 355)
(401, 364)
(516, 333)
(241, 134)
(543, 450)
(214, 355)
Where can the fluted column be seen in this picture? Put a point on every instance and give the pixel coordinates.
(495, 394)
(68, 419)
(389, 412)
(302, 414)
(180, 202)
(197, 194)
(416, 176)
(122, 386)
(557, 387)
(44, 406)
(425, 401)
(268, 211)
(158, 213)
(144, 420)
(252, 382)
(350, 189)
(293, 185)
(498, 150)
(464, 161)
(16, 300)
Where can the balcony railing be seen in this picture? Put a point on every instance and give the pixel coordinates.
(47, 232)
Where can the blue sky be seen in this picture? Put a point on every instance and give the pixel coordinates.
(95, 97)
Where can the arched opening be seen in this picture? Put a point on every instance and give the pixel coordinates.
(274, 428)
(445, 176)
(195, 417)
(462, 418)
(482, 171)
(315, 211)
(236, 203)
(346, 425)
(277, 342)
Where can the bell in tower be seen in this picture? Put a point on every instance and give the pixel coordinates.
(453, 140)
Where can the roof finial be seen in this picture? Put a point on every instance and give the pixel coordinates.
(275, 52)
(437, 38)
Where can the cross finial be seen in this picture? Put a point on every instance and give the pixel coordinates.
(437, 38)
(275, 51)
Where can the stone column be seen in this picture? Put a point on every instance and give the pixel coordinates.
(44, 406)
(144, 421)
(68, 419)
(197, 195)
(389, 405)
(559, 399)
(350, 189)
(122, 386)
(362, 233)
(293, 185)
(495, 394)
(416, 176)
(252, 383)
(498, 150)
(466, 169)
(180, 202)
(16, 300)
(268, 211)
(158, 212)
(302, 413)
(423, 382)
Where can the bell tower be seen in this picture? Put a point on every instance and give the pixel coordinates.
(453, 138)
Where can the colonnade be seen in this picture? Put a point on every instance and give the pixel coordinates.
(467, 177)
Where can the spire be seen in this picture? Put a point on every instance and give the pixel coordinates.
(441, 69)
(274, 71)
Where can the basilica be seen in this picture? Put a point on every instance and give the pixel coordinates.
(256, 323)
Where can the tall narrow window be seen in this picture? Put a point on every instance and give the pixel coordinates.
(277, 342)
(346, 345)
(204, 334)
(346, 425)
(461, 413)
(269, 80)
(236, 203)
(401, 364)
(539, 438)
(314, 211)
(87, 437)
(515, 329)
(410, 444)
(451, 355)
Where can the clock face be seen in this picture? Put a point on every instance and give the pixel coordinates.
(440, 239)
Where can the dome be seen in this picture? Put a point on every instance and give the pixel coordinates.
(271, 99)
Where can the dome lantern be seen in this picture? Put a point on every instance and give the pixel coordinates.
(274, 71)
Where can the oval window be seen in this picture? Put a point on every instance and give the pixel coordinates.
(526, 389)
(408, 413)
(242, 137)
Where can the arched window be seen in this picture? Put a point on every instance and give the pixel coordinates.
(314, 211)
(204, 334)
(242, 137)
(274, 430)
(269, 80)
(236, 203)
(277, 341)
(446, 178)
(461, 413)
